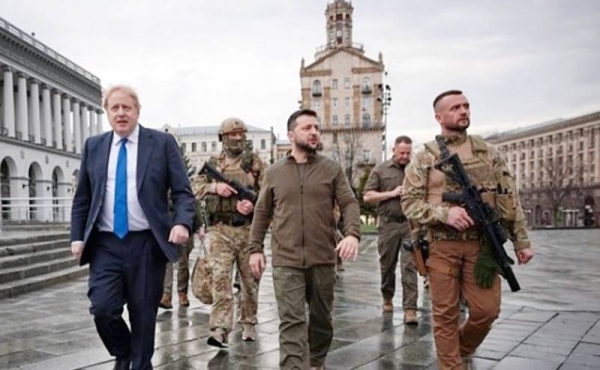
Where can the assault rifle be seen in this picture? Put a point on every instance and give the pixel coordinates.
(242, 191)
(485, 217)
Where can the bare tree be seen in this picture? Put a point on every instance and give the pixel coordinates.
(346, 150)
(562, 176)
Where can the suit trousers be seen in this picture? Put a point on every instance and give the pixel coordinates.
(450, 267)
(293, 288)
(126, 271)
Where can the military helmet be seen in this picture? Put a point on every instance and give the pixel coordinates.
(231, 125)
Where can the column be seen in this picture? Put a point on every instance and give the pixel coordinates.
(8, 103)
(93, 126)
(34, 103)
(77, 126)
(85, 127)
(58, 130)
(47, 115)
(22, 119)
(99, 122)
(67, 123)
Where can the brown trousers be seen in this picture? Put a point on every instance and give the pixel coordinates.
(389, 246)
(183, 269)
(450, 268)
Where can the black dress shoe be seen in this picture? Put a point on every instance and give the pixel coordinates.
(122, 363)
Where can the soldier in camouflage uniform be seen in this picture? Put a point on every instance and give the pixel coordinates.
(458, 263)
(183, 277)
(230, 221)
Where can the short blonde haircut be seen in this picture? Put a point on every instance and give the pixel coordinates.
(124, 88)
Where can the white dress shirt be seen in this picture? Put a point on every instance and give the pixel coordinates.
(135, 215)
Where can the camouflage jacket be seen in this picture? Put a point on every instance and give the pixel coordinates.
(420, 210)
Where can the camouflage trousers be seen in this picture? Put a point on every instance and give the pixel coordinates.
(226, 248)
(183, 269)
(389, 247)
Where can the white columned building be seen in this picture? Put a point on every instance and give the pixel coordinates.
(49, 106)
(34, 105)
(47, 115)
(57, 120)
(22, 117)
(8, 103)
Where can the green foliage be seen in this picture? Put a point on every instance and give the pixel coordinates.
(365, 208)
(189, 169)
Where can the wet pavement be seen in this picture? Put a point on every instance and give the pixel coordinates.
(553, 323)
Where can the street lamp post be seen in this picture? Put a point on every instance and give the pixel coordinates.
(385, 99)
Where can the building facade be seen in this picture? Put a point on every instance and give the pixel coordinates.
(346, 89)
(200, 143)
(49, 106)
(556, 166)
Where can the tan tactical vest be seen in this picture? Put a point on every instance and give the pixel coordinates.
(233, 169)
(478, 163)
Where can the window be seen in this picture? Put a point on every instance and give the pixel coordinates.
(317, 90)
(263, 144)
(347, 120)
(335, 138)
(334, 103)
(366, 102)
(581, 145)
(335, 120)
(366, 121)
(366, 85)
(204, 150)
(347, 102)
(366, 155)
(213, 146)
(334, 84)
(316, 104)
(183, 148)
(347, 83)
(194, 147)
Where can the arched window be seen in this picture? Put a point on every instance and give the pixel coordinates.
(213, 146)
(366, 121)
(183, 147)
(366, 85)
(194, 147)
(317, 89)
(204, 150)
(263, 144)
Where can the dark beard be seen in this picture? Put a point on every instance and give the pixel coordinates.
(306, 148)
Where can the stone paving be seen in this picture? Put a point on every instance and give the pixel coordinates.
(553, 323)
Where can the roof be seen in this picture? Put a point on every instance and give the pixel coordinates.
(540, 128)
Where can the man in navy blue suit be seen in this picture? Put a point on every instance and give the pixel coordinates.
(121, 226)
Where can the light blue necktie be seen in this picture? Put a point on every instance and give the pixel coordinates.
(121, 226)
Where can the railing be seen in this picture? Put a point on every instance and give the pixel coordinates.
(49, 51)
(333, 45)
(48, 209)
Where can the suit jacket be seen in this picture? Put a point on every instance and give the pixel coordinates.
(159, 169)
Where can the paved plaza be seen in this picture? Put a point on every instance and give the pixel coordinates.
(553, 323)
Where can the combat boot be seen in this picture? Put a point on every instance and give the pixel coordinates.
(387, 306)
(467, 362)
(410, 317)
(165, 301)
(218, 338)
(183, 300)
(248, 333)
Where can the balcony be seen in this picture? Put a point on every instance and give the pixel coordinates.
(317, 93)
(366, 90)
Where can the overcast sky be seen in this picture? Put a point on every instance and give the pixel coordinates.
(196, 62)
